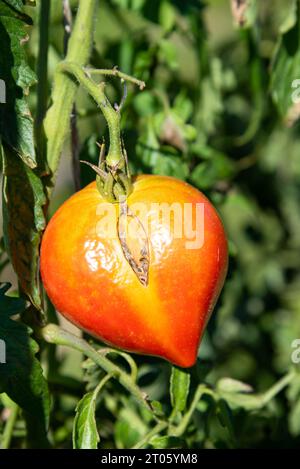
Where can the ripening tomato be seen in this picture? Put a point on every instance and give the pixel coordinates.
(90, 266)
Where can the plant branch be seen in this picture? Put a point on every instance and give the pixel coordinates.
(53, 334)
(277, 387)
(155, 431)
(112, 116)
(9, 427)
(64, 91)
(116, 73)
(200, 391)
(42, 73)
(68, 24)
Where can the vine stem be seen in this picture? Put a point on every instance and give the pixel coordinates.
(116, 73)
(180, 429)
(9, 427)
(57, 120)
(115, 154)
(277, 387)
(42, 73)
(53, 334)
(155, 431)
(68, 25)
(112, 116)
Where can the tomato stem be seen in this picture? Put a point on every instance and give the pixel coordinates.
(57, 121)
(53, 334)
(116, 73)
(117, 184)
(112, 116)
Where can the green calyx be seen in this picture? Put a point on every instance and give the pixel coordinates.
(113, 180)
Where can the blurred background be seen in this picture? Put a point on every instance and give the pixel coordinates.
(216, 112)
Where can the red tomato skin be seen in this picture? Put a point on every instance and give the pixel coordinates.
(89, 281)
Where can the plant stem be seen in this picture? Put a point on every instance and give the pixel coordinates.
(68, 25)
(42, 73)
(112, 116)
(277, 387)
(9, 427)
(155, 431)
(64, 91)
(116, 73)
(200, 391)
(55, 335)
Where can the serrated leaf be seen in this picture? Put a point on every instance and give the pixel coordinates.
(179, 388)
(23, 201)
(14, 9)
(16, 123)
(209, 172)
(21, 375)
(130, 427)
(85, 433)
(285, 72)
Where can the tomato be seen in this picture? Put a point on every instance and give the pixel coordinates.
(90, 281)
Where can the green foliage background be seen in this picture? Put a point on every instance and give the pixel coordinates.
(216, 112)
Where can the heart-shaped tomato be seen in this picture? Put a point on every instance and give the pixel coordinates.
(142, 276)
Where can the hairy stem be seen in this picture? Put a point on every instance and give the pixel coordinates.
(68, 25)
(42, 73)
(112, 116)
(116, 73)
(58, 117)
(55, 335)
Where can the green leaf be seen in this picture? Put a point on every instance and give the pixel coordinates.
(168, 54)
(23, 201)
(21, 375)
(233, 385)
(130, 427)
(14, 9)
(225, 417)
(170, 442)
(16, 123)
(208, 173)
(162, 160)
(85, 433)
(285, 72)
(238, 394)
(291, 16)
(179, 388)
(167, 15)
